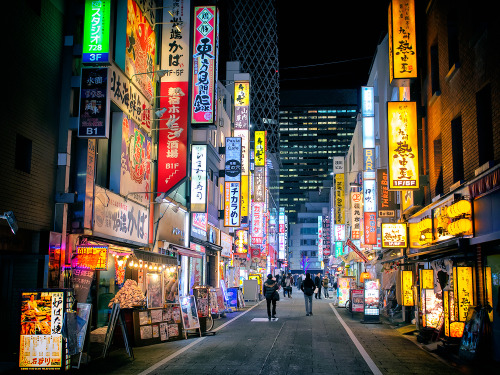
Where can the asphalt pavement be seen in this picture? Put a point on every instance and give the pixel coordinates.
(331, 341)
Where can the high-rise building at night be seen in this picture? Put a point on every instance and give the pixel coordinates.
(254, 43)
(311, 135)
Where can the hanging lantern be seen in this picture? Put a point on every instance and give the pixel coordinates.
(363, 276)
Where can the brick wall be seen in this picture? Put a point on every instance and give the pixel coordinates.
(479, 66)
(33, 52)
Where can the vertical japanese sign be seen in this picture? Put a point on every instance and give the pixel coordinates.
(327, 238)
(320, 238)
(260, 148)
(245, 198)
(96, 27)
(241, 105)
(356, 215)
(140, 51)
(241, 241)
(94, 104)
(41, 343)
(89, 184)
(339, 232)
(338, 164)
(173, 134)
(245, 150)
(233, 159)
(369, 196)
(281, 231)
(199, 178)
(226, 242)
(464, 296)
(403, 145)
(370, 228)
(205, 55)
(386, 201)
(407, 288)
(259, 184)
(257, 233)
(394, 235)
(402, 40)
(232, 204)
(367, 101)
(339, 199)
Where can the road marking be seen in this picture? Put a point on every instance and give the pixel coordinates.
(362, 350)
(182, 350)
(272, 346)
(263, 319)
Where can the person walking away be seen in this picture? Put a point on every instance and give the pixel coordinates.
(288, 285)
(269, 290)
(307, 287)
(283, 285)
(317, 282)
(299, 282)
(325, 286)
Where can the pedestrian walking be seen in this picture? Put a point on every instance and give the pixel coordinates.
(308, 288)
(299, 281)
(270, 291)
(288, 284)
(283, 285)
(325, 286)
(317, 282)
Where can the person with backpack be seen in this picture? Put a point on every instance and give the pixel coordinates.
(288, 284)
(308, 287)
(270, 291)
(325, 286)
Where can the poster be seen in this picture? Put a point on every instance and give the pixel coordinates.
(41, 343)
(156, 316)
(189, 313)
(372, 297)
(171, 286)
(163, 331)
(153, 290)
(357, 300)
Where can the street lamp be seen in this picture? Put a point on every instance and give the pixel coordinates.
(11, 219)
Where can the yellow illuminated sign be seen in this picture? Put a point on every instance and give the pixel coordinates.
(406, 288)
(339, 199)
(245, 197)
(402, 40)
(426, 279)
(464, 291)
(394, 235)
(488, 286)
(446, 308)
(403, 145)
(260, 148)
(241, 93)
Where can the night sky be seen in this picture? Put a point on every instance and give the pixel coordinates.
(339, 38)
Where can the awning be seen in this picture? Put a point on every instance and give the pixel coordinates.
(148, 256)
(443, 249)
(186, 251)
(210, 247)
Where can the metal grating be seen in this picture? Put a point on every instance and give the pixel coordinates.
(254, 43)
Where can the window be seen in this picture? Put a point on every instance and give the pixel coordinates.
(457, 149)
(23, 153)
(453, 57)
(438, 166)
(484, 125)
(435, 70)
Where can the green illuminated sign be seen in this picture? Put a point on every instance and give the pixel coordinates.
(96, 31)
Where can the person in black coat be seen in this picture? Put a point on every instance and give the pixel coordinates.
(317, 283)
(270, 290)
(307, 287)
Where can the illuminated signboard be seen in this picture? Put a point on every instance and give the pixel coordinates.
(372, 296)
(241, 241)
(343, 291)
(402, 40)
(339, 199)
(370, 226)
(241, 105)
(41, 342)
(463, 284)
(257, 223)
(367, 102)
(327, 236)
(102, 259)
(232, 170)
(368, 163)
(94, 104)
(245, 197)
(338, 164)
(369, 196)
(320, 238)
(96, 26)
(173, 127)
(245, 150)
(205, 55)
(199, 178)
(406, 288)
(260, 144)
(368, 132)
(339, 249)
(394, 235)
(403, 145)
(259, 184)
(356, 215)
(386, 201)
(339, 232)
(427, 279)
(232, 204)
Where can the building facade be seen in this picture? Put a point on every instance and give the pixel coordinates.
(311, 135)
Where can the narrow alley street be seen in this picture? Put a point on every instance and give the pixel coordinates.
(247, 343)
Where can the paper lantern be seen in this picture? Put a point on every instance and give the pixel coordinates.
(363, 276)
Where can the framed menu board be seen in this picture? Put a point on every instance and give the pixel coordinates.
(189, 314)
(41, 345)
